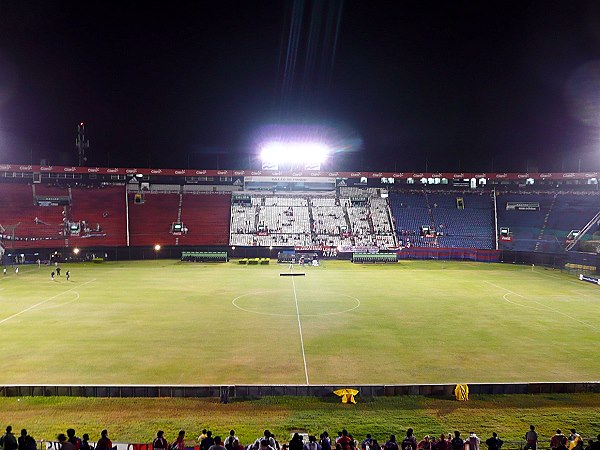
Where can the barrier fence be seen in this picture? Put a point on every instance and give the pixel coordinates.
(257, 391)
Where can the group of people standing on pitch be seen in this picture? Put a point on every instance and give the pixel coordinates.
(56, 272)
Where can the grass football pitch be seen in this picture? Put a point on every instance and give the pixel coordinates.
(168, 322)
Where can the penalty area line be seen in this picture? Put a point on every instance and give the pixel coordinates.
(545, 306)
(44, 301)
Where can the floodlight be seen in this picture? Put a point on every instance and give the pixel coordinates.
(294, 152)
(157, 247)
(76, 251)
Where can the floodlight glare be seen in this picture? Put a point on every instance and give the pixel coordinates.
(294, 152)
(157, 247)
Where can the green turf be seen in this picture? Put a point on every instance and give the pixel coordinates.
(137, 420)
(167, 322)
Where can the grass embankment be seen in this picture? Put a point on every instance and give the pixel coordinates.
(136, 420)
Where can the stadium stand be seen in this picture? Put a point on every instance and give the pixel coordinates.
(525, 224)
(150, 221)
(27, 225)
(454, 219)
(206, 218)
(102, 215)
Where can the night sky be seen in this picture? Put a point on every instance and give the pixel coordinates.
(471, 86)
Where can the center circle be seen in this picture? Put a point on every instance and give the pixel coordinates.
(282, 303)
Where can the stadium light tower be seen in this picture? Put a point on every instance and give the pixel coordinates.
(81, 144)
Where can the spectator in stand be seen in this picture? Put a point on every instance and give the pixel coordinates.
(574, 439)
(391, 444)
(531, 438)
(8, 440)
(590, 445)
(179, 443)
(266, 436)
(159, 442)
(409, 439)
(442, 443)
(230, 441)
(473, 441)
(596, 444)
(208, 441)
(563, 444)
(325, 441)
(296, 442)
(218, 445)
(556, 440)
(312, 444)
(26, 442)
(345, 442)
(494, 443)
(202, 436)
(375, 445)
(73, 439)
(424, 443)
(64, 443)
(85, 442)
(457, 442)
(104, 443)
(277, 447)
(366, 444)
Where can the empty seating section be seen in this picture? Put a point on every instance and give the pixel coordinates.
(570, 212)
(103, 210)
(410, 213)
(471, 227)
(206, 217)
(525, 225)
(545, 230)
(150, 221)
(29, 225)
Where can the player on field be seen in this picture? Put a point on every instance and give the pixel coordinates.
(52, 276)
(68, 275)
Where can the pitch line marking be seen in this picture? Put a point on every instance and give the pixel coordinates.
(519, 304)
(545, 306)
(44, 301)
(300, 329)
(60, 305)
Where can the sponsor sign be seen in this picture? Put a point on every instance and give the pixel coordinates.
(593, 280)
(522, 206)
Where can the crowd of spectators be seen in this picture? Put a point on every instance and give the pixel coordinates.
(268, 441)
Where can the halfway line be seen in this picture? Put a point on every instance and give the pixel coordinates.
(300, 329)
(44, 301)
